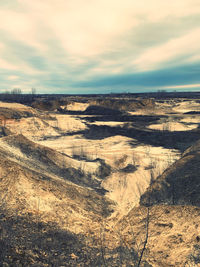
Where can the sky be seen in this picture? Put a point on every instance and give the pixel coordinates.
(99, 46)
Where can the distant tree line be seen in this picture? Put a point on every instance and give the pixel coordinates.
(18, 91)
(16, 95)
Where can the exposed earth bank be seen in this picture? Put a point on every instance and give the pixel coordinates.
(119, 188)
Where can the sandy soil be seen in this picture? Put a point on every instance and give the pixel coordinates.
(173, 126)
(108, 123)
(76, 106)
(15, 106)
(67, 123)
(124, 188)
(191, 119)
(173, 230)
(36, 128)
(186, 106)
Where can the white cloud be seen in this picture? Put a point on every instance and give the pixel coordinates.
(188, 44)
(3, 63)
(91, 31)
(7, 65)
(12, 77)
(20, 66)
(156, 10)
(20, 26)
(182, 86)
(87, 28)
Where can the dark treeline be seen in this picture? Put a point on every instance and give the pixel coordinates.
(16, 95)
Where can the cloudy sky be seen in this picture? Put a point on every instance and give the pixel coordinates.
(94, 46)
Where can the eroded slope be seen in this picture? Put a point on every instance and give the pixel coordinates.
(179, 184)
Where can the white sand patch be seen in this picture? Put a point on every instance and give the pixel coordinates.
(33, 128)
(126, 188)
(15, 106)
(75, 106)
(173, 126)
(16, 155)
(193, 119)
(108, 123)
(67, 123)
(183, 110)
(36, 128)
(187, 106)
(107, 148)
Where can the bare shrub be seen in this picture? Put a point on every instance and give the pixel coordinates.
(80, 152)
(119, 163)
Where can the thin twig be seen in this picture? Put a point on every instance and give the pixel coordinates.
(146, 239)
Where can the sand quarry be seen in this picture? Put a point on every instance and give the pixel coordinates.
(74, 182)
(133, 164)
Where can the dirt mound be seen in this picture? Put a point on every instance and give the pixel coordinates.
(14, 113)
(46, 105)
(101, 110)
(111, 103)
(124, 104)
(49, 105)
(32, 181)
(48, 161)
(18, 118)
(173, 126)
(75, 106)
(179, 184)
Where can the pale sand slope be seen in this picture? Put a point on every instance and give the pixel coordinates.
(169, 107)
(173, 126)
(191, 119)
(33, 128)
(29, 184)
(76, 106)
(42, 124)
(124, 188)
(108, 123)
(15, 106)
(17, 156)
(36, 128)
(186, 106)
(67, 123)
(109, 148)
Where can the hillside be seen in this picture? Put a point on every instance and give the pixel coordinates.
(93, 183)
(168, 216)
(39, 188)
(173, 235)
(179, 184)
